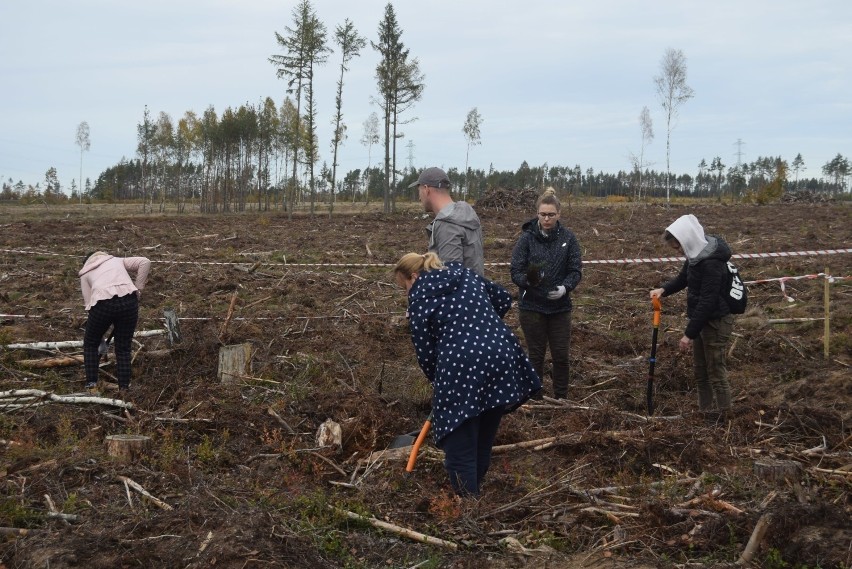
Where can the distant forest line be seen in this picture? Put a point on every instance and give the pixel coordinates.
(225, 189)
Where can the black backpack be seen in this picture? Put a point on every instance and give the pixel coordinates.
(734, 290)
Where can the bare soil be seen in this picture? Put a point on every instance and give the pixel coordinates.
(329, 341)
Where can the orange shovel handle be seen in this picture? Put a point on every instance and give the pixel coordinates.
(412, 458)
(658, 307)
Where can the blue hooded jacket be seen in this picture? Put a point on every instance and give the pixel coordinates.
(471, 357)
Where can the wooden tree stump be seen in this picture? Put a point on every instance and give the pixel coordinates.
(127, 448)
(234, 362)
(778, 471)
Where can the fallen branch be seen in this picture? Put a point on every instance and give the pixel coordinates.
(712, 501)
(178, 420)
(43, 363)
(21, 398)
(206, 542)
(565, 404)
(65, 517)
(17, 531)
(755, 539)
(524, 444)
(278, 418)
(152, 538)
(72, 343)
(611, 516)
(159, 503)
(53, 513)
(330, 462)
(549, 442)
(399, 530)
(616, 489)
(37, 466)
(839, 471)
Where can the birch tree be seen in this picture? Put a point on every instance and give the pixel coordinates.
(368, 139)
(646, 127)
(472, 135)
(672, 92)
(145, 132)
(84, 143)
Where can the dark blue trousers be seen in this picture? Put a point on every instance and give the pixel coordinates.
(467, 451)
(122, 312)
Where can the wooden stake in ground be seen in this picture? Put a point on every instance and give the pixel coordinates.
(228, 317)
(827, 329)
(127, 448)
(172, 326)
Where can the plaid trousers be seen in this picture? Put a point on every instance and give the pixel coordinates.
(122, 312)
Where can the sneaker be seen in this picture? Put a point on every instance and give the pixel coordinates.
(92, 388)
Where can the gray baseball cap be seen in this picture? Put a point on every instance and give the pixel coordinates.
(433, 177)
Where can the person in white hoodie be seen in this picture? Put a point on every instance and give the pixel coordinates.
(112, 299)
(710, 325)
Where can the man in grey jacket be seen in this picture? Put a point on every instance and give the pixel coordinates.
(455, 234)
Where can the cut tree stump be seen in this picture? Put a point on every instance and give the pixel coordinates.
(127, 448)
(778, 471)
(234, 362)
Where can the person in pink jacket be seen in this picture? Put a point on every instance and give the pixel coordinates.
(112, 299)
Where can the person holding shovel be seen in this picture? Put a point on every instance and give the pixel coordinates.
(710, 325)
(112, 299)
(547, 266)
(477, 367)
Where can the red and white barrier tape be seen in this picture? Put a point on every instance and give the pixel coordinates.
(782, 280)
(809, 253)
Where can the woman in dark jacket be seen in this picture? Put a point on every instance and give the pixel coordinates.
(547, 266)
(477, 367)
(708, 331)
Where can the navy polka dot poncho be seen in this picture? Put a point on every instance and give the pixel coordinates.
(473, 360)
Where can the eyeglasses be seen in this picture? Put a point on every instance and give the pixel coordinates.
(547, 215)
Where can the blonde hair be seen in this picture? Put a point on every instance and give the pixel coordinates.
(549, 198)
(411, 263)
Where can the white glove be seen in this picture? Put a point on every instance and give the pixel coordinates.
(556, 293)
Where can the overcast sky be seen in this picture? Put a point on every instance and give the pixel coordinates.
(555, 82)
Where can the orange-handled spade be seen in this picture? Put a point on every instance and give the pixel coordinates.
(658, 308)
(412, 458)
